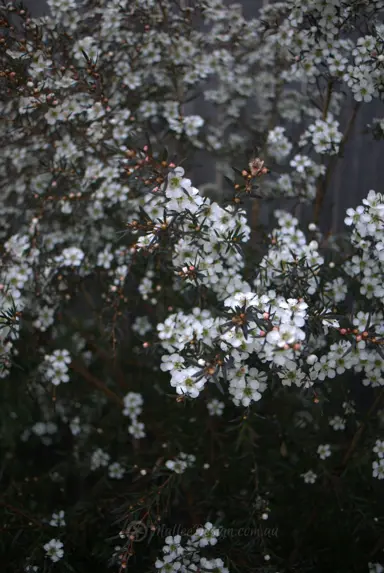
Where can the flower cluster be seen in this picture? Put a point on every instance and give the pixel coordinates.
(206, 251)
(323, 135)
(133, 402)
(99, 459)
(180, 463)
(185, 556)
(378, 465)
(57, 363)
(367, 236)
(279, 145)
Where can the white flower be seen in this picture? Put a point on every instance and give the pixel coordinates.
(54, 549)
(337, 423)
(324, 451)
(133, 402)
(215, 407)
(375, 568)
(75, 426)
(300, 162)
(71, 257)
(173, 548)
(136, 429)
(309, 476)
(216, 565)
(177, 466)
(116, 471)
(181, 463)
(186, 382)
(172, 361)
(379, 448)
(99, 459)
(167, 565)
(349, 407)
(57, 519)
(311, 359)
(378, 468)
(206, 535)
(192, 124)
(354, 216)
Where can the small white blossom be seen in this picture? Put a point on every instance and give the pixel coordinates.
(379, 448)
(116, 471)
(378, 469)
(57, 519)
(324, 451)
(54, 550)
(309, 476)
(337, 423)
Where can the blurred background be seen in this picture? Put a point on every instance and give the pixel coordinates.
(361, 169)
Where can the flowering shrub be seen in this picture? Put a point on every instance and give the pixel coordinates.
(169, 389)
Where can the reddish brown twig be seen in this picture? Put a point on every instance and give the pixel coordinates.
(77, 367)
(20, 512)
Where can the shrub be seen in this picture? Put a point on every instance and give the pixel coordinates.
(183, 390)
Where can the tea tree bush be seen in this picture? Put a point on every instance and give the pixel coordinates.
(180, 393)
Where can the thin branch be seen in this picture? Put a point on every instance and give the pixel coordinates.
(324, 182)
(352, 446)
(356, 438)
(77, 367)
(20, 512)
(327, 100)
